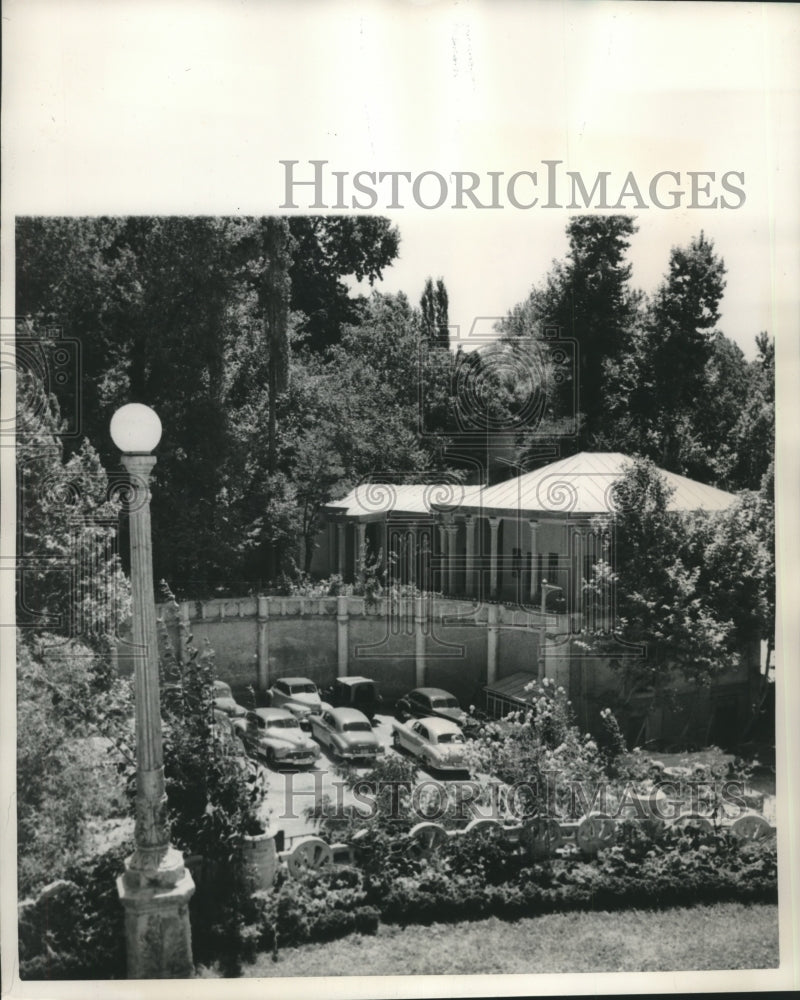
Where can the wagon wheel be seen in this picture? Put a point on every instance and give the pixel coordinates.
(308, 855)
(542, 835)
(751, 826)
(693, 820)
(425, 838)
(483, 824)
(595, 831)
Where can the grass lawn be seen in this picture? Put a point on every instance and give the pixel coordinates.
(722, 936)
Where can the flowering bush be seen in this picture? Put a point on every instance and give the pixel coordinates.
(539, 751)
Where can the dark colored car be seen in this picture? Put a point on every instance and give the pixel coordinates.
(225, 702)
(354, 692)
(430, 702)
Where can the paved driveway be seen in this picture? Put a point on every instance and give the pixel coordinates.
(292, 791)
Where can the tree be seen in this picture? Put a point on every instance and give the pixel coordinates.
(434, 308)
(69, 577)
(72, 598)
(328, 249)
(681, 343)
(752, 450)
(195, 317)
(655, 573)
(588, 298)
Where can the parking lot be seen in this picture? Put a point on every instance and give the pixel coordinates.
(291, 791)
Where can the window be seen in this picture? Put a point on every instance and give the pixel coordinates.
(357, 727)
(552, 569)
(445, 703)
(305, 688)
(282, 724)
(283, 687)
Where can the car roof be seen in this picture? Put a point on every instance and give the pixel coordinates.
(439, 726)
(433, 692)
(219, 683)
(294, 680)
(268, 714)
(349, 715)
(354, 680)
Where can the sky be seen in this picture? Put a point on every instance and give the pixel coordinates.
(512, 255)
(189, 108)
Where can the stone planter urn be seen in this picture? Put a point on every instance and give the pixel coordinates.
(260, 859)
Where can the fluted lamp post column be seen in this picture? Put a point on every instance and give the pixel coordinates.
(155, 887)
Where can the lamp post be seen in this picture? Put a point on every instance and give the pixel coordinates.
(155, 887)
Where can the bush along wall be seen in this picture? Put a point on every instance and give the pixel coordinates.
(472, 878)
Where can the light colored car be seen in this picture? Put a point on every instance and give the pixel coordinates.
(225, 702)
(424, 702)
(436, 743)
(274, 734)
(346, 733)
(297, 695)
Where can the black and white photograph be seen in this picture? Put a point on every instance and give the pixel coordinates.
(400, 489)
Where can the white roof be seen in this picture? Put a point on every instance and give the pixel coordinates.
(582, 484)
(370, 499)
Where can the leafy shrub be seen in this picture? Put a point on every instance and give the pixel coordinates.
(76, 929)
(213, 801)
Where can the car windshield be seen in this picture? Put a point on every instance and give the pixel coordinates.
(357, 727)
(221, 690)
(307, 688)
(450, 738)
(283, 724)
(444, 703)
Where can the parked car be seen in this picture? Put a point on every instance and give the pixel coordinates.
(225, 702)
(346, 733)
(436, 743)
(424, 702)
(354, 692)
(298, 695)
(274, 734)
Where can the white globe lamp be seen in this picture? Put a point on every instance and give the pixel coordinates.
(135, 429)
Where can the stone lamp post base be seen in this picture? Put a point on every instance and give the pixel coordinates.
(157, 930)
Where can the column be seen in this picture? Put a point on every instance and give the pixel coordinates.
(263, 643)
(341, 548)
(579, 537)
(155, 887)
(342, 635)
(534, 525)
(425, 583)
(494, 524)
(492, 633)
(385, 546)
(419, 641)
(469, 550)
(451, 529)
(442, 554)
(361, 549)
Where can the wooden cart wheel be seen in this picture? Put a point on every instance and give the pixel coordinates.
(542, 835)
(694, 820)
(308, 855)
(751, 826)
(425, 839)
(483, 825)
(595, 831)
